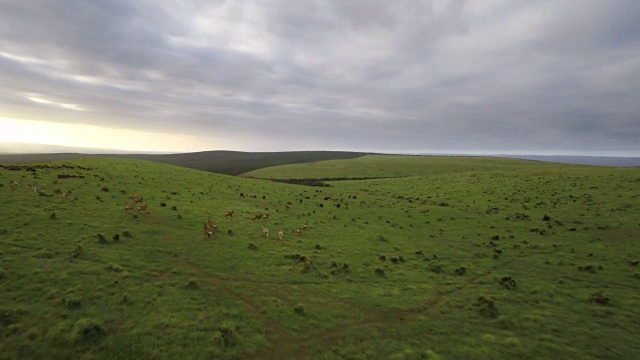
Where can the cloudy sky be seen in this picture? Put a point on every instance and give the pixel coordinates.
(480, 76)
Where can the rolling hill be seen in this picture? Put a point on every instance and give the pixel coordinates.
(436, 258)
(222, 162)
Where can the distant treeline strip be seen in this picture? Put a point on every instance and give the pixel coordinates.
(321, 181)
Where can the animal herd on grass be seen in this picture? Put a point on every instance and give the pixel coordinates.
(210, 227)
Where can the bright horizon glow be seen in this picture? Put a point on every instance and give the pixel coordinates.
(122, 140)
(91, 136)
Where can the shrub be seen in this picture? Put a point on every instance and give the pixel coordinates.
(487, 307)
(127, 234)
(88, 331)
(299, 310)
(252, 246)
(227, 335)
(508, 282)
(101, 239)
(77, 252)
(53, 216)
(599, 298)
(73, 302)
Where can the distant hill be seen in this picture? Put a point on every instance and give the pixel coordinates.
(221, 162)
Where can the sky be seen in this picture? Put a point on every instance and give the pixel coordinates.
(405, 76)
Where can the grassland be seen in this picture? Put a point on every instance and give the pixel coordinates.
(447, 258)
(220, 162)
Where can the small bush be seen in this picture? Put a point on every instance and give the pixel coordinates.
(101, 239)
(53, 216)
(88, 331)
(77, 252)
(127, 234)
(252, 246)
(230, 232)
(599, 298)
(487, 307)
(508, 282)
(116, 238)
(379, 271)
(299, 310)
(227, 335)
(192, 285)
(73, 302)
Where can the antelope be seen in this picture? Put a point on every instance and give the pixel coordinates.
(15, 183)
(137, 198)
(265, 232)
(207, 231)
(213, 225)
(66, 194)
(229, 214)
(143, 208)
(303, 228)
(257, 217)
(35, 187)
(131, 206)
(287, 207)
(280, 234)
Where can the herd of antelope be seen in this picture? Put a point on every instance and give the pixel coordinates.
(210, 227)
(39, 189)
(133, 205)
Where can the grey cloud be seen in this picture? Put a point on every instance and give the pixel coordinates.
(450, 75)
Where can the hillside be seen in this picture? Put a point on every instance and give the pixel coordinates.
(388, 166)
(459, 258)
(221, 162)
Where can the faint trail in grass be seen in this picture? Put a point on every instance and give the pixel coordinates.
(281, 341)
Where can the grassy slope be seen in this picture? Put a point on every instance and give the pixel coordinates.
(221, 162)
(167, 292)
(372, 166)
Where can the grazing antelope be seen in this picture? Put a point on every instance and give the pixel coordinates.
(280, 234)
(131, 206)
(265, 232)
(213, 225)
(137, 198)
(207, 231)
(229, 214)
(35, 187)
(15, 183)
(143, 208)
(303, 228)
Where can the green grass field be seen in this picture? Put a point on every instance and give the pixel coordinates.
(440, 258)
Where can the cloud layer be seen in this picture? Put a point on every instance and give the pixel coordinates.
(542, 76)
